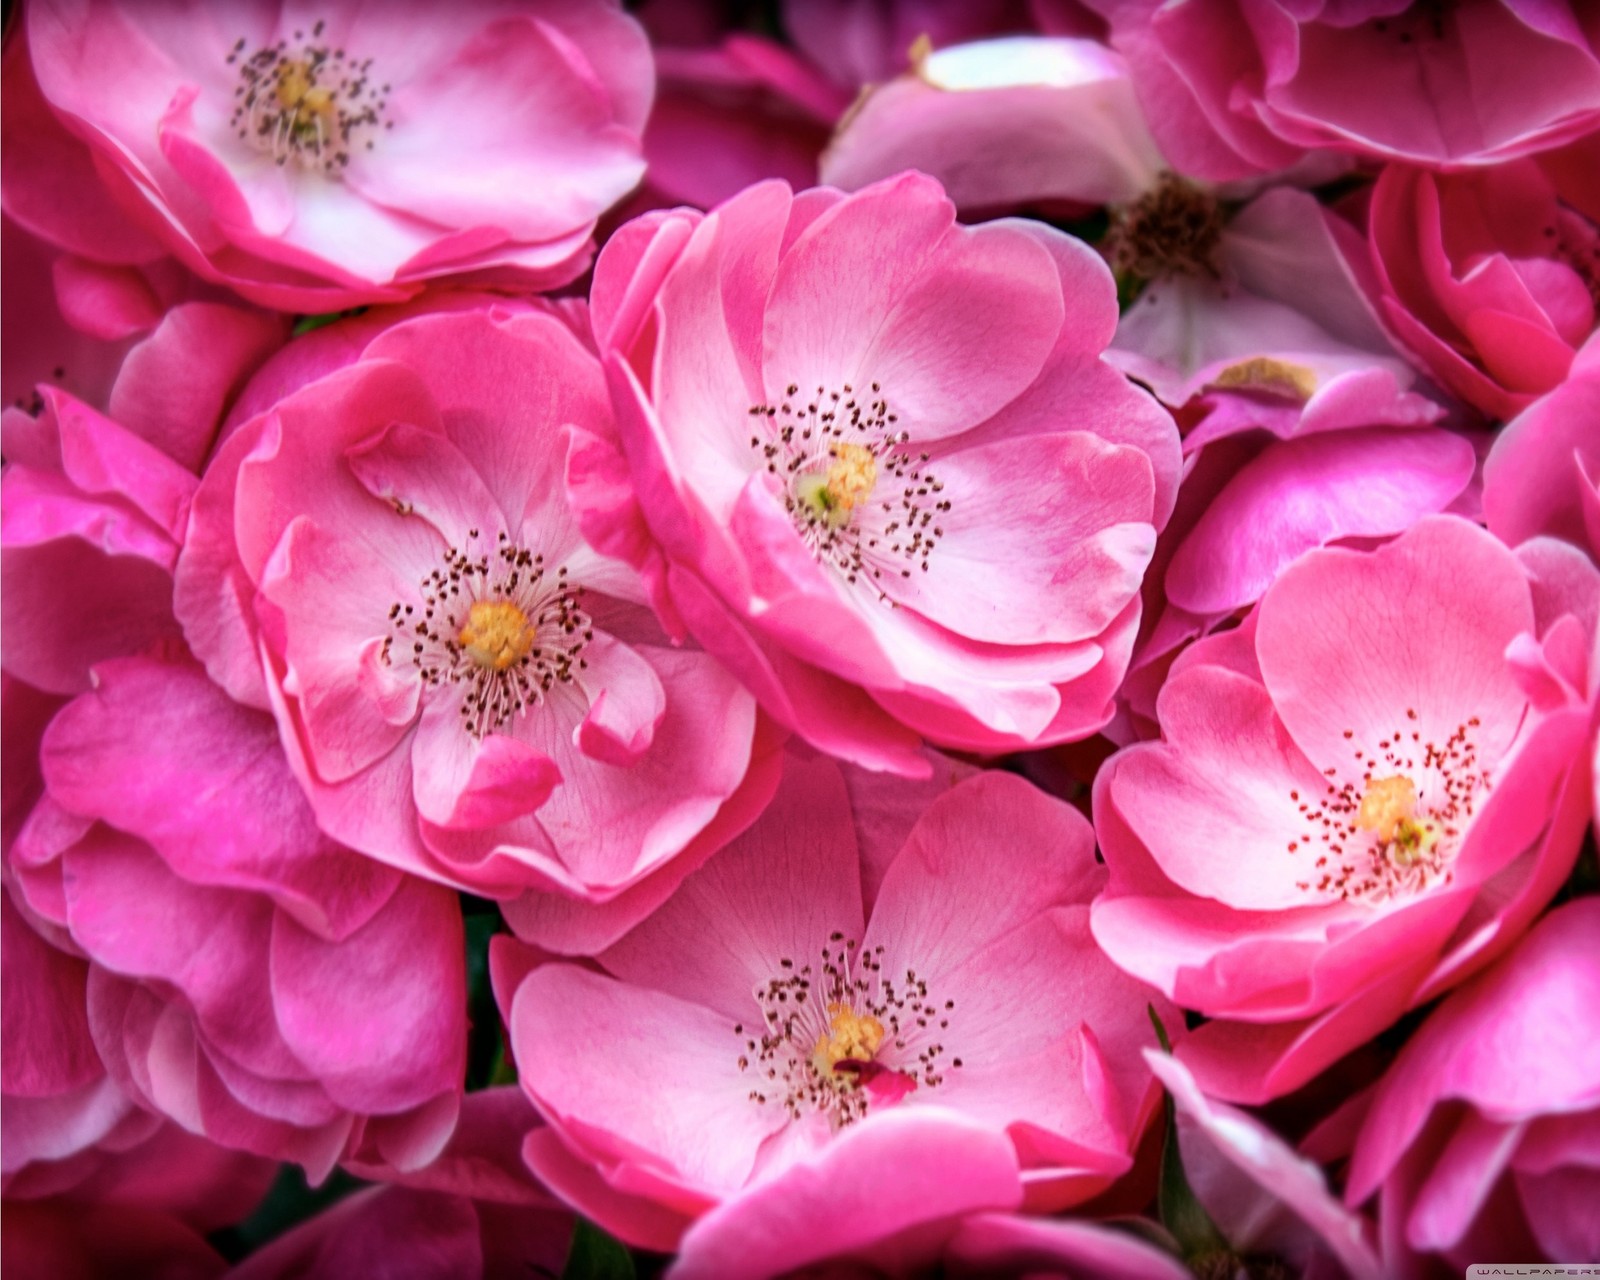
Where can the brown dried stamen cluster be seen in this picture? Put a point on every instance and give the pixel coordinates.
(1394, 830)
(860, 500)
(496, 622)
(1174, 229)
(311, 103)
(826, 1027)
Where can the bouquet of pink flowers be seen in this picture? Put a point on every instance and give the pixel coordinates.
(833, 638)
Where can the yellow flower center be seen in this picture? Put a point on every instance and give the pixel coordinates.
(847, 483)
(298, 92)
(850, 1037)
(497, 634)
(1389, 808)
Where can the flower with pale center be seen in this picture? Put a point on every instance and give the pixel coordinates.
(478, 693)
(316, 158)
(1356, 801)
(307, 102)
(766, 1019)
(887, 447)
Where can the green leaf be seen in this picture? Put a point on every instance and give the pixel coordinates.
(1177, 1206)
(596, 1256)
(305, 324)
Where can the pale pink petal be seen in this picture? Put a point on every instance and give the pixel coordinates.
(676, 1093)
(1327, 677)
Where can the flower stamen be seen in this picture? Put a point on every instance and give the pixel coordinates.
(311, 104)
(497, 626)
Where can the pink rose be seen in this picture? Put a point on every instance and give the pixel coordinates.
(775, 1055)
(474, 1213)
(246, 976)
(872, 460)
(1362, 794)
(732, 114)
(102, 503)
(1018, 122)
(318, 164)
(1265, 1199)
(71, 1134)
(1543, 474)
(1486, 277)
(466, 689)
(1480, 1141)
(1239, 87)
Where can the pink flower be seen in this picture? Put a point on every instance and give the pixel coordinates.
(103, 504)
(70, 1133)
(246, 977)
(472, 1214)
(1480, 1141)
(466, 689)
(1543, 474)
(317, 163)
(775, 1056)
(1302, 424)
(1264, 1198)
(1486, 277)
(872, 460)
(1239, 87)
(1357, 801)
(1017, 122)
(732, 114)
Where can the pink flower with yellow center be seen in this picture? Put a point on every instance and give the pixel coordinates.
(1361, 795)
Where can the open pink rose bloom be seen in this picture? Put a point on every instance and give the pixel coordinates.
(842, 638)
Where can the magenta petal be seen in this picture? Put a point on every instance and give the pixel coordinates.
(898, 1171)
(176, 384)
(636, 1219)
(48, 1049)
(378, 1017)
(162, 752)
(988, 1243)
(118, 605)
(1300, 494)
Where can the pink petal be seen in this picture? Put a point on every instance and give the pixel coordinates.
(175, 385)
(162, 752)
(1047, 539)
(675, 1095)
(626, 705)
(790, 881)
(1425, 642)
(378, 1017)
(892, 1173)
(1301, 494)
(916, 315)
(1227, 777)
(533, 107)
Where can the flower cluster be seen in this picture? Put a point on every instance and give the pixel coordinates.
(852, 637)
